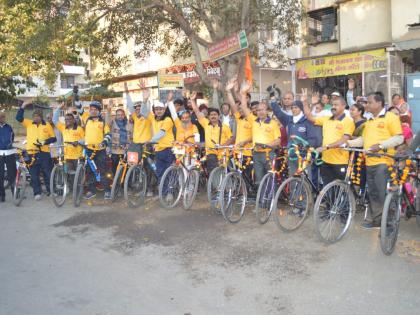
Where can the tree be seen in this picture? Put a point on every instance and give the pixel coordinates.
(33, 42)
(181, 28)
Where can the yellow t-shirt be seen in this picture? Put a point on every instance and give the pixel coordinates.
(212, 133)
(84, 117)
(182, 134)
(142, 129)
(243, 132)
(264, 132)
(35, 132)
(71, 135)
(95, 130)
(378, 130)
(332, 131)
(166, 125)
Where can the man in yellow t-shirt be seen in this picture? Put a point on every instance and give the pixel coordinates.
(382, 133)
(39, 134)
(97, 138)
(215, 133)
(336, 130)
(186, 131)
(73, 138)
(265, 135)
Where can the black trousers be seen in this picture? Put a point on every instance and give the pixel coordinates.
(100, 162)
(331, 172)
(10, 162)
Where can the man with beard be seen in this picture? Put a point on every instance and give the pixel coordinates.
(186, 131)
(336, 130)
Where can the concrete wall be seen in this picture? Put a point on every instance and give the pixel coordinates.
(404, 12)
(365, 23)
(323, 49)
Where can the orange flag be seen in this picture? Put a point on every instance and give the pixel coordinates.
(248, 68)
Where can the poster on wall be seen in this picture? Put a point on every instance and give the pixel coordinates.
(328, 66)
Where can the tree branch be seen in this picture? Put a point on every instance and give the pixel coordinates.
(199, 62)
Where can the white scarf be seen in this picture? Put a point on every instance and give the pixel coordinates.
(297, 118)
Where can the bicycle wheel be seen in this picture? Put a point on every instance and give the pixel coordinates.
(116, 183)
(135, 185)
(58, 185)
(171, 186)
(291, 203)
(191, 188)
(213, 187)
(333, 211)
(78, 184)
(233, 197)
(20, 186)
(390, 222)
(265, 194)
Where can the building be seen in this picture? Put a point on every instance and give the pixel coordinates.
(377, 42)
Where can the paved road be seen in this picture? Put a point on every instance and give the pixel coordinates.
(102, 259)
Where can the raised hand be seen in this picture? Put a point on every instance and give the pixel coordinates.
(170, 96)
(351, 84)
(146, 94)
(193, 95)
(315, 98)
(216, 84)
(245, 87)
(304, 95)
(232, 83)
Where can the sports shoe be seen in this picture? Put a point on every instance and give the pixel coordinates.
(371, 225)
(37, 197)
(90, 195)
(107, 195)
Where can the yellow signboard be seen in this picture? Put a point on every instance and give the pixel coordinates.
(328, 66)
(171, 81)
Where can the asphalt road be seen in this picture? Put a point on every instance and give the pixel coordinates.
(108, 259)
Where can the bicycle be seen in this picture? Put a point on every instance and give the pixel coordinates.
(58, 179)
(269, 184)
(295, 196)
(22, 175)
(336, 204)
(80, 175)
(120, 173)
(181, 179)
(400, 200)
(135, 182)
(235, 187)
(216, 177)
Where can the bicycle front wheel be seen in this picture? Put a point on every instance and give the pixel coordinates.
(116, 183)
(135, 185)
(291, 203)
(78, 184)
(58, 185)
(191, 188)
(171, 186)
(333, 211)
(213, 187)
(390, 222)
(265, 194)
(233, 197)
(20, 187)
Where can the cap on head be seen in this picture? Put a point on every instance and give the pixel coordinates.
(362, 99)
(38, 112)
(158, 104)
(336, 93)
(96, 104)
(136, 104)
(298, 104)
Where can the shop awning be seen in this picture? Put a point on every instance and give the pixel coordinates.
(408, 44)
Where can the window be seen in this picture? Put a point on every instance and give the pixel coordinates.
(322, 25)
(67, 81)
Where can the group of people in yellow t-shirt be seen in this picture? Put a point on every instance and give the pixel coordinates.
(256, 132)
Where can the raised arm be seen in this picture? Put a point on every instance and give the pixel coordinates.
(56, 113)
(145, 106)
(245, 88)
(171, 106)
(197, 112)
(229, 95)
(306, 110)
(21, 112)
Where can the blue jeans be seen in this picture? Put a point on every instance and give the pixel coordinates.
(44, 164)
(164, 159)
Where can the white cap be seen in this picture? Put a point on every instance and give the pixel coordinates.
(335, 93)
(157, 103)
